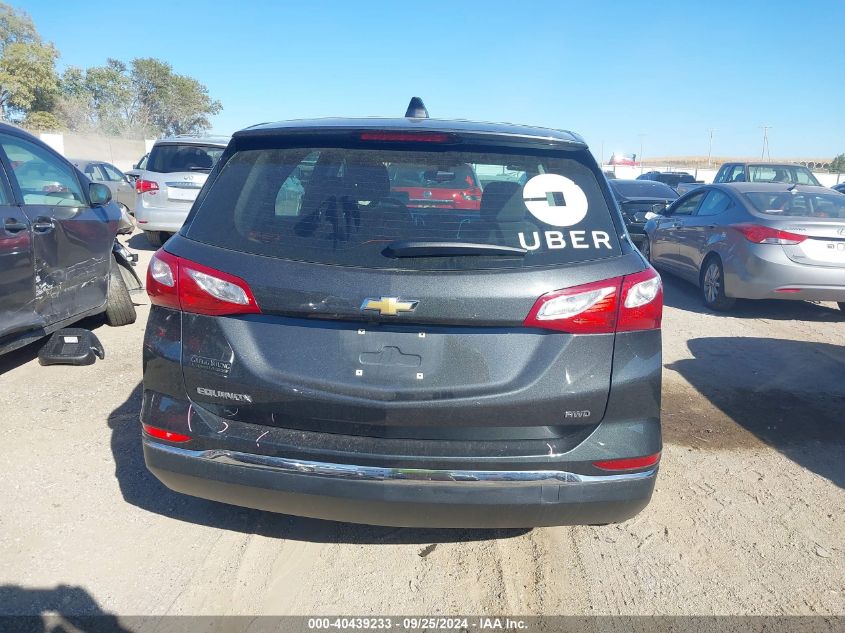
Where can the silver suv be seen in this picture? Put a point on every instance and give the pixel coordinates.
(176, 170)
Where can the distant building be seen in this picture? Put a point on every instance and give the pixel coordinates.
(623, 159)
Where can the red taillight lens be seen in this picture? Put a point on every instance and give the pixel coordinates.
(164, 434)
(471, 194)
(162, 276)
(596, 308)
(642, 302)
(408, 137)
(175, 282)
(143, 186)
(767, 235)
(631, 463)
(587, 309)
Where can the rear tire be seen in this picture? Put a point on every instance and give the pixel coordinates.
(119, 307)
(154, 238)
(712, 283)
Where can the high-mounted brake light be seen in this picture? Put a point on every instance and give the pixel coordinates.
(630, 463)
(145, 186)
(596, 308)
(164, 434)
(175, 282)
(408, 137)
(767, 235)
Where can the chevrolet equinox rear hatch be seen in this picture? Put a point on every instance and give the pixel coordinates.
(328, 341)
(347, 310)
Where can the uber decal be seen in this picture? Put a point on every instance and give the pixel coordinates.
(558, 201)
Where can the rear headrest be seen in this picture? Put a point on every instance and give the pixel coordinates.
(502, 202)
(202, 159)
(366, 181)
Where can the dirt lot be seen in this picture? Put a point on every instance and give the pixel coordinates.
(748, 516)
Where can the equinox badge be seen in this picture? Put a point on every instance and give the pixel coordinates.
(390, 306)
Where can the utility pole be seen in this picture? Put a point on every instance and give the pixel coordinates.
(642, 136)
(766, 151)
(710, 147)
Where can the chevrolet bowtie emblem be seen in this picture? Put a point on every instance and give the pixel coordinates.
(389, 306)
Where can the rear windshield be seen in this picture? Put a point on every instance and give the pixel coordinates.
(800, 204)
(643, 189)
(348, 206)
(782, 173)
(171, 157)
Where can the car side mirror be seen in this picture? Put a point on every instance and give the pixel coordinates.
(658, 209)
(99, 194)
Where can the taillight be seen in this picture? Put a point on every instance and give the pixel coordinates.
(629, 463)
(175, 282)
(164, 434)
(471, 194)
(642, 302)
(596, 308)
(144, 186)
(767, 235)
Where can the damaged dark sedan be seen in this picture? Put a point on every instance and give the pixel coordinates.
(57, 245)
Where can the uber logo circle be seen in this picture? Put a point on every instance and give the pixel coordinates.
(555, 200)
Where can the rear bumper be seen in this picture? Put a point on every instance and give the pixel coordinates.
(765, 270)
(400, 497)
(151, 218)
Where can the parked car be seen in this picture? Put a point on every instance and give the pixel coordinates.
(685, 187)
(138, 167)
(671, 178)
(840, 187)
(58, 232)
(754, 241)
(765, 172)
(121, 186)
(347, 362)
(175, 172)
(424, 187)
(638, 200)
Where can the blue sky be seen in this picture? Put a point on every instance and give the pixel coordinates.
(611, 71)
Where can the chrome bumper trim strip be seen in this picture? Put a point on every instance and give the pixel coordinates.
(415, 476)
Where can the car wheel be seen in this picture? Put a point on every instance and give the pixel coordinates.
(713, 285)
(119, 307)
(154, 238)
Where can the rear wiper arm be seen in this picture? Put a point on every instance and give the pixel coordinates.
(419, 248)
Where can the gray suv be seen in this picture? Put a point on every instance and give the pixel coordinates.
(175, 171)
(319, 347)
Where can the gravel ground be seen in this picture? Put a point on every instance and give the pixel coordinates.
(748, 516)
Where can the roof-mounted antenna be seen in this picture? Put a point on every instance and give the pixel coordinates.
(416, 109)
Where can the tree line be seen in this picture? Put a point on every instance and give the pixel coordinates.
(142, 98)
